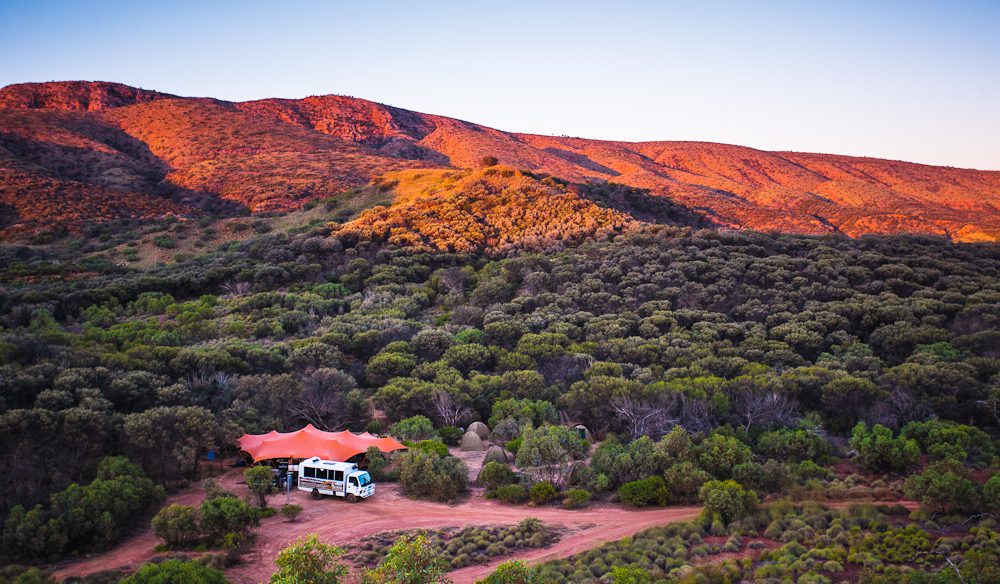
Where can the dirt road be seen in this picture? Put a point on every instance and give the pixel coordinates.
(341, 523)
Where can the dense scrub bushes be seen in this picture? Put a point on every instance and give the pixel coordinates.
(82, 517)
(778, 340)
(222, 520)
(429, 475)
(494, 475)
(548, 453)
(727, 499)
(642, 492)
(310, 561)
(465, 546)
(878, 450)
(176, 571)
(784, 542)
(945, 486)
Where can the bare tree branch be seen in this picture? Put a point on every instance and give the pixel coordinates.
(763, 408)
(696, 415)
(652, 418)
(451, 411)
(323, 401)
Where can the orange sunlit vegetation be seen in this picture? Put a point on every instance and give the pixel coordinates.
(78, 152)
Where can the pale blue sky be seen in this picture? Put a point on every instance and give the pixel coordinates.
(914, 80)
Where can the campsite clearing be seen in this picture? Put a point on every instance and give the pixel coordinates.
(342, 523)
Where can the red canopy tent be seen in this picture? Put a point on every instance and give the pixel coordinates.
(311, 441)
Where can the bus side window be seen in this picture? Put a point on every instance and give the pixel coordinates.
(309, 473)
(321, 473)
(338, 475)
(353, 481)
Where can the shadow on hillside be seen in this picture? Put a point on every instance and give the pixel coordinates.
(644, 205)
(582, 161)
(126, 165)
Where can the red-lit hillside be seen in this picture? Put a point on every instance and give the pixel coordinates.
(275, 154)
(74, 95)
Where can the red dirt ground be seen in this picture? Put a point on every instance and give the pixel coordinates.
(341, 523)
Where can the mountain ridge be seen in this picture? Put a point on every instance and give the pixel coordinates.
(276, 154)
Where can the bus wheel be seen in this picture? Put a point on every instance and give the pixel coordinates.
(352, 498)
(317, 495)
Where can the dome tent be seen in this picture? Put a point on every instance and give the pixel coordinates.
(496, 454)
(583, 432)
(481, 429)
(471, 442)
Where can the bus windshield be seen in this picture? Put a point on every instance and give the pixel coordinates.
(365, 479)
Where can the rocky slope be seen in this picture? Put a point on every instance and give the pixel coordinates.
(156, 153)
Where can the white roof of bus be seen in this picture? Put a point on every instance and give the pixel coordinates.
(317, 461)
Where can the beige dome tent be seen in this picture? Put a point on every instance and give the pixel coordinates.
(583, 432)
(481, 429)
(471, 442)
(496, 454)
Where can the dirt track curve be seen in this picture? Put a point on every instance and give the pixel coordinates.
(342, 523)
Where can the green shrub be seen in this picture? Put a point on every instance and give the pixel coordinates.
(810, 470)
(684, 479)
(90, 516)
(719, 454)
(727, 498)
(494, 475)
(775, 476)
(536, 412)
(176, 571)
(260, 482)
(512, 572)
(413, 429)
(164, 242)
(644, 492)
(411, 560)
(228, 521)
(946, 440)
(793, 445)
(576, 498)
(542, 492)
(630, 575)
(750, 474)
(291, 511)
(944, 486)
(511, 494)
(429, 476)
(991, 493)
(624, 462)
(450, 435)
(309, 561)
(433, 446)
(547, 452)
(879, 451)
(376, 463)
(177, 525)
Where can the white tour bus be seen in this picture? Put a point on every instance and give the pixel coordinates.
(343, 479)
